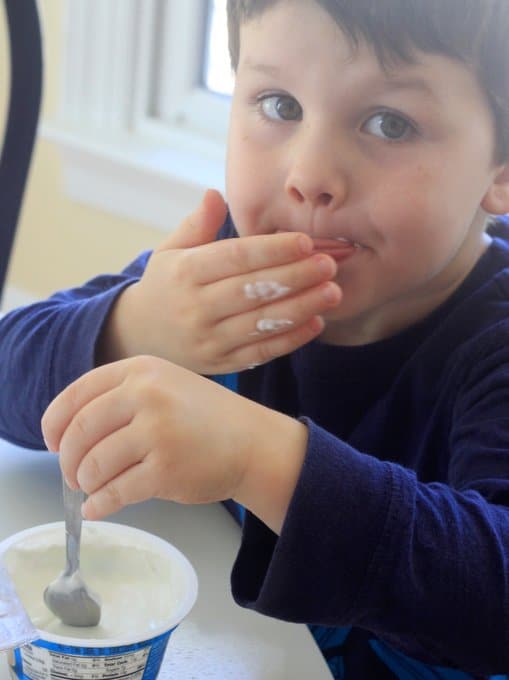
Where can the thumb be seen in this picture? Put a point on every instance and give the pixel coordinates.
(199, 227)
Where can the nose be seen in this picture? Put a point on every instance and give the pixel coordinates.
(317, 176)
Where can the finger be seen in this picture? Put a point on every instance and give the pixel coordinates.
(201, 226)
(276, 345)
(95, 421)
(278, 317)
(134, 485)
(111, 456)
(236, 256)
(236, 295)
(62, 409)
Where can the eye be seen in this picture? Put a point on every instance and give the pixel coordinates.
(390, 126)
(280, 107)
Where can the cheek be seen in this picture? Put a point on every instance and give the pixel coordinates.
(250, 183)
(238, 184)
(416, 223)
(413, 202)
(437, 191)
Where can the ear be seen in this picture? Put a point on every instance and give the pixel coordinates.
(496, 199)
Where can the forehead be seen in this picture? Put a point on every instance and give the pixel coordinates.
(290, 36)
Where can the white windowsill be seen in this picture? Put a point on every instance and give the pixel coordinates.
(137, 177)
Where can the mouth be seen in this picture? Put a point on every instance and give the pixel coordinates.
(338, 248)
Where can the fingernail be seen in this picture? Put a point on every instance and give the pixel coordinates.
(206, 195)
(325, 265)
(71, 485)
(305, 244)
(331, 294)
(318, 324)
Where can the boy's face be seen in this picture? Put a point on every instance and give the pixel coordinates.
(324, 142)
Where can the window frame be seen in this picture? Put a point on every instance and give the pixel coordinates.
(117, 155)
(182, 99)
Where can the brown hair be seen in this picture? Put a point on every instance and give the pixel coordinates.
(475, 32)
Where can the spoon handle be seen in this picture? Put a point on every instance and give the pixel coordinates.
(72, 515)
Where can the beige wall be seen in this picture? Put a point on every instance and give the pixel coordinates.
(61, 243)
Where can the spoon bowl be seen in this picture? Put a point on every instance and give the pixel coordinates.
(68, 596)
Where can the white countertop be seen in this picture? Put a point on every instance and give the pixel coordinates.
(218, 640)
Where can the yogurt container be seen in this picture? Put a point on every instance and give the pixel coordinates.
(146, 585)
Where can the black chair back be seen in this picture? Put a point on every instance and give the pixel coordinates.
(26, 65)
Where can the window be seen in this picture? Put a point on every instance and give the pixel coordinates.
(190, 77)
(217, 71)
(145, 105)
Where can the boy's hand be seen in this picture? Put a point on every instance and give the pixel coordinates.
(221, 306)
(144, 427)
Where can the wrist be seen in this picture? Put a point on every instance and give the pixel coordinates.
(115, 341)
(273, 468)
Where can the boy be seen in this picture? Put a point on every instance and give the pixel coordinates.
(370, 441)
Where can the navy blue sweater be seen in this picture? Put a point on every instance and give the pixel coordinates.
(397, 535)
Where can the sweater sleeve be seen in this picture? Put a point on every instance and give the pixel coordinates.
(46, 345)
(423, 566)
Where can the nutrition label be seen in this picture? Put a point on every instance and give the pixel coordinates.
(45, 664)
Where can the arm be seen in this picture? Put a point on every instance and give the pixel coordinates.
(422, 566)
(47, 345)
(362, 542)
(187, 303)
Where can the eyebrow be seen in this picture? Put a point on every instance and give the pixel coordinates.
(267, 69)
(386, 83)
(416, 84)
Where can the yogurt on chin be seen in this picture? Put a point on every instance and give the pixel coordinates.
(138, 585)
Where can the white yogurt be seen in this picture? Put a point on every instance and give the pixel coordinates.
(139, 588)
(269, 325)
(265, 290)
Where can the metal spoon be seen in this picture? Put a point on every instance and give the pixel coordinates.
(68, 596)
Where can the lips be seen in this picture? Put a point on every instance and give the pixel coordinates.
(337, 248)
